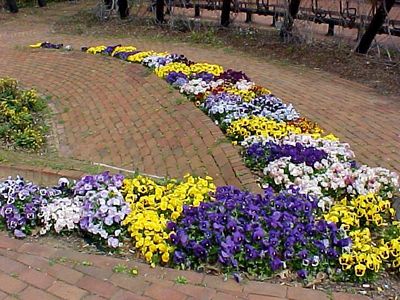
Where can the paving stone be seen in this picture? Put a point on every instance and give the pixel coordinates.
(134, 284)
(31, 293)
(97, 286)
(36, 278)
(64, 273)
(126, 295)
(159, 292)
(296, 293)
(10, 284)
(2, 295)
(264, 288)
(225, 296)
(66, 291)
(217, 282)
(263, 297)
(344, 296)
(197, 292)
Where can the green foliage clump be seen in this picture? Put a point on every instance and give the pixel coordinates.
(21, 116)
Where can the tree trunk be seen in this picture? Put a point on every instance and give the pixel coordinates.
(287, 25)
(123, 8)
(160, 11)
(42, 3)
(225, 13)
(375, 25)
(12, 6)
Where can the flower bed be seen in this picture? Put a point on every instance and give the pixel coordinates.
(321, 211)
(21, 116)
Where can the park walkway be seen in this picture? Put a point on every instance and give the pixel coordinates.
(116, 113)
(44, 271)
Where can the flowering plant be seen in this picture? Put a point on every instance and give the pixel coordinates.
(21, 120)
(246, 127)
(153, 205)
(163, 71)
(367, 219)
(176, 79)
(102, 207)
(225, 108)
(232, 76)
(20, 203)
(47, 45)
(244, 232)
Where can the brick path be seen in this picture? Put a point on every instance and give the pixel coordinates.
(135, 121)
(116, 113)
(119, 113)
(43, 271)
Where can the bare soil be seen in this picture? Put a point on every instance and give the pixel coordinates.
(375, 70)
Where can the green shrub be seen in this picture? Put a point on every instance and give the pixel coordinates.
(21, 116)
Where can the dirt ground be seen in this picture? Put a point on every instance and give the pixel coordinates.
(375, 70)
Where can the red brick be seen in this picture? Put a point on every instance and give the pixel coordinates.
(98, 273)
(224, 296)
(262, 297)
(11, 266)
(9, 253)
(31, 293)
(36, 249)
(192, 277)
(10, 284)
(159, 292)
(33, 261)
(344, 296)
(216, 282)
(36, 278)
(93, 297)
(133, 284)
(96, 286)
(126, 295)
(297, 293)
(64, 273)
(66, 291)
(264, 288)
(198, 292)
(9, 243)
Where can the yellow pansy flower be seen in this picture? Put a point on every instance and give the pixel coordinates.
(154, 204)
(360, 270)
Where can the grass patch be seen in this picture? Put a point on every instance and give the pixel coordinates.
(124, 269)
(181, 280)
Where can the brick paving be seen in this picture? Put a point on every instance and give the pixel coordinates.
(45, 271)
(134, 120)
(116, 113)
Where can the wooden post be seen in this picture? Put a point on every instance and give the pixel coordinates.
(248, 17)
(123, 9)
(375, 25)
(331, 29)
(160, 11)
(287, 26)
(12, 6)
(225, 13)
(197, 10)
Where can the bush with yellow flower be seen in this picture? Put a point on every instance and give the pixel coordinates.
(369, 221)
(21, 116)
(153, 204)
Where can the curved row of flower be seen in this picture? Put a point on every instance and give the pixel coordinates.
(329, 214)
(192, 224)
(317, 164)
